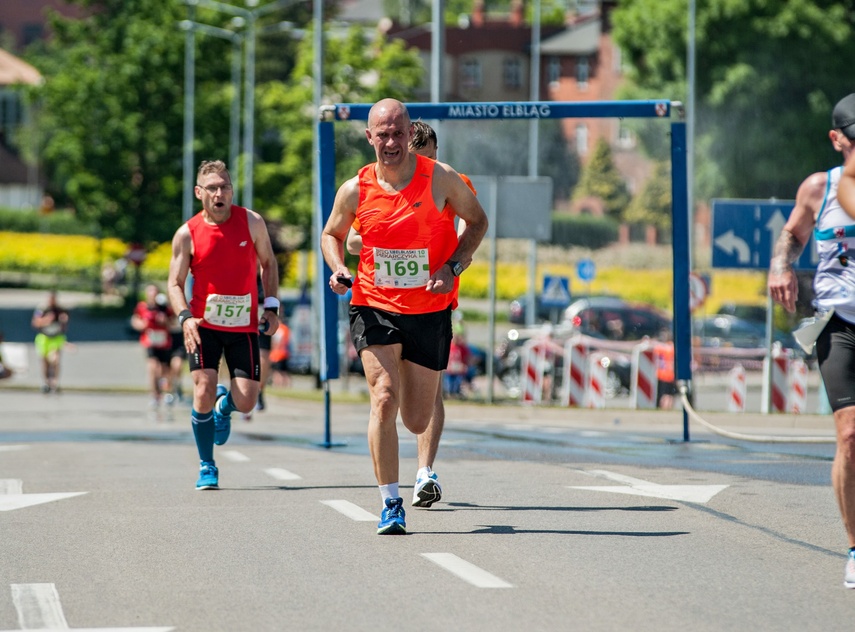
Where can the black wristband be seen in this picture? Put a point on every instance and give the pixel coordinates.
(184, 315)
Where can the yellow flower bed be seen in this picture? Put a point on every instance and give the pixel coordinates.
(648, 286)
(72, 254)
(34, 252)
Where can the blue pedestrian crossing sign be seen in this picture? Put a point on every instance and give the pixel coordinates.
(556, 292)
(744, 233)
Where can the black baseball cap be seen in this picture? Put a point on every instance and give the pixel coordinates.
(843, 116)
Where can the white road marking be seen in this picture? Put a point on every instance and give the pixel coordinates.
(39, 608)
(354, 512)
(234, 456)
(282, 475)
(637, 487)
(11, 486)
(466, 571)
(12, 495)
(13, 448)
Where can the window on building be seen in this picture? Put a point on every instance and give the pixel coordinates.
(31, 33)
(553, 70)
(582, 139)
(582, 70)
(512, 71)
(470, 73)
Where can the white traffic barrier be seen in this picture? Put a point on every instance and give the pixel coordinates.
(597, 375)
(738, 390)
(644, 382)
(532, 369)
(575, 377)
(797, 400)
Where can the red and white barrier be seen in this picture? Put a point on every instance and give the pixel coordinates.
(797, 401)
(532, 370)
(597, 374)
(575, 378)
(644, 381)
(779, 380)
(738, 390)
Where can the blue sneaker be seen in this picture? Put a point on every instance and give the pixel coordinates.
(222, 423)
(209, 476)
(426, 490)
(392, 518)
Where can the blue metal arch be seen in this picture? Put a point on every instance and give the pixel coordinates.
(517, 110)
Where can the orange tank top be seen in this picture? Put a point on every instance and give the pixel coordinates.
(405, 239)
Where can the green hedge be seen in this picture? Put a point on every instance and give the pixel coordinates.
(57, 223)
(583, 230)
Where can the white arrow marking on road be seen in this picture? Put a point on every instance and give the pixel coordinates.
(730, 243)
(12, 495)
(39, 608)
(466, 571)
(235, 456)
(637, 487)
(354, 512)
(282, 475)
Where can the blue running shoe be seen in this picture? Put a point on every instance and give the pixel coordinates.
(209, 476)
(392, 518)
(222, 423)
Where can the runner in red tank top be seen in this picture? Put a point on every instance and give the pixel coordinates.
(223, 246)
(401, 332)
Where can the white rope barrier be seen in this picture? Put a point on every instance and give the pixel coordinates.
(745, 437)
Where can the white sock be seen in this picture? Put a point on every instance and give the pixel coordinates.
(389, 491)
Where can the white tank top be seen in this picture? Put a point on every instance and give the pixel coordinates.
(834, 283)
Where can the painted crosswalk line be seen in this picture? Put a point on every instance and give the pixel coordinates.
(282, 475)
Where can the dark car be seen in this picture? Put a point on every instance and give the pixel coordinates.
(615, 319)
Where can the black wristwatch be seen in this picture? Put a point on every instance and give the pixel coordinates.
(456, 267)
(184, 315)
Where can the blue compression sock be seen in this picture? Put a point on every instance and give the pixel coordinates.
(226, 405)
(203, 431)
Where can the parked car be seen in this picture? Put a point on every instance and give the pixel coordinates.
(615, 319)
(723, 330)
(599, 317)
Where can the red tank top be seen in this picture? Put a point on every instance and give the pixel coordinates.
(224, 264)
(405, 239)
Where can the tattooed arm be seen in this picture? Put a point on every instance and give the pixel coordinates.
(783, 285)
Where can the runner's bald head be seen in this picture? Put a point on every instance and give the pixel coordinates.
(387, 108)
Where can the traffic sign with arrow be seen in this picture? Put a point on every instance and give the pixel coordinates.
(744, 233)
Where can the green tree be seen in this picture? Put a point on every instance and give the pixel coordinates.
(653, 204)
(763, 100)
(601, 179)
(110, 116)
(356, 70)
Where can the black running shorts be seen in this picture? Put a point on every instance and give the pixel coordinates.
(239, 347)
(835, 350)
(425, 338)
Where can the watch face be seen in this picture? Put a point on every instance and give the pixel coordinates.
(457, 269)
